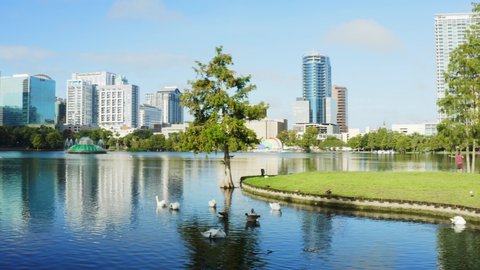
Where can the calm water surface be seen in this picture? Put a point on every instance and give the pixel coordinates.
(60, 211)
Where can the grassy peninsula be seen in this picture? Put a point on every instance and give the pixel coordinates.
(433, 187)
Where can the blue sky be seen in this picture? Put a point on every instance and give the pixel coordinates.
(382, 51)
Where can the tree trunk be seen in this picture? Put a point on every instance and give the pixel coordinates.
(227, 197)
(473, 157)
(227, 181)
(467, 155)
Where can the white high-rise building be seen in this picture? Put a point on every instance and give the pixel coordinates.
(98, 78)
(168, 100)
(79, 103)
(301, 111)
(118, 106)
(330, 105)
(450, 30)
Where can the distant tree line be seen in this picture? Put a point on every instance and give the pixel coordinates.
(308, 140)
(24, 137)
(47, 138)
(382, 139)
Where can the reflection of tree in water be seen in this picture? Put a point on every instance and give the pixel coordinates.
(283, 166)
(239, 250)
(317, 232)
(458, 250)
(310, 164)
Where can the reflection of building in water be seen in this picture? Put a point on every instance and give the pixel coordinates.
(162, 176)
(39, 189)
(98, 189)
(28, 192)
(80, 189)
(114, 192)
(11, 183)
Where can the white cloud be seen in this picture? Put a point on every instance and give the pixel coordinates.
(23, 53)
(365, 34)
(149, 10)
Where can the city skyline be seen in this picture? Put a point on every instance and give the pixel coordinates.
(384, 53)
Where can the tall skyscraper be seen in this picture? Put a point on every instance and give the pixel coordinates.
(339, 93)
(317, 85)
(168, 100)
(80, 100)
(450, 30)
(27, 100)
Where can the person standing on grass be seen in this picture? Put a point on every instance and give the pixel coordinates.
(459, 161)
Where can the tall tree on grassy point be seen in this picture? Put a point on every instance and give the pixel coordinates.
(461, 103)
(218, 101)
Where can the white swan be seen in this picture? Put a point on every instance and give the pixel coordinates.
(214, 233)
(458, 228)
(160, 204)
(212, 203)
(175, 205)
(458, 220)
(275, 206)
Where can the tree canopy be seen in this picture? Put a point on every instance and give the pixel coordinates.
(218, 101)
(461, 103)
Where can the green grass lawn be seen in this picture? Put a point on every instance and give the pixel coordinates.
(435, 187)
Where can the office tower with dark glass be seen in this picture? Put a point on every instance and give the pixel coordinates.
(317, 86)
(167, 100)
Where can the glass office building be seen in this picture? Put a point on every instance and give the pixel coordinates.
(27, 100)
(317, 85)
(167, 100)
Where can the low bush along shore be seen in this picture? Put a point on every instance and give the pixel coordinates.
(435, 187)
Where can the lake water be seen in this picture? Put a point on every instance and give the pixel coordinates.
(64, 211)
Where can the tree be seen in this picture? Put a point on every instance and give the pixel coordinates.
(157, 142)
(309, 138)
(461, 103)
(331, 142)
(38, 142)
(54, 139)
(218, 101)
(402, 142)
(355, 143)
(288, 137)
(175, 142)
